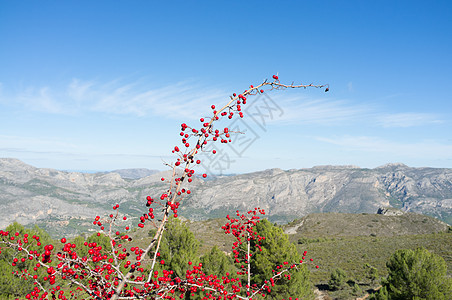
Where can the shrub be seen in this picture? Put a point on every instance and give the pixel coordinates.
(416, 274)
(338, 279)
(356, 290)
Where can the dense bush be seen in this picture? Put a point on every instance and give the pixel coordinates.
(338, 279)
(416, 274)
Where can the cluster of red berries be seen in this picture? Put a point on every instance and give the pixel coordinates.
(242, 228)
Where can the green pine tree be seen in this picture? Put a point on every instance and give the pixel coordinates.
(276, 248)
(371, 273)
(338, 279)
(13, 285)
(177, 248)
(382, 294)
(216, 262)
(416, 274)
(356, 289)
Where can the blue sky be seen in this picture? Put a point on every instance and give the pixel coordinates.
(102, 85)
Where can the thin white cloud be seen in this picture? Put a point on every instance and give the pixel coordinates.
(421, 149)
(408, 119)
(78, 90)
(18, 145)
(40, 99)
(189, 100)
(184, 99)
(22, 144)
(330, 112)
(174, 101)
(321, 111)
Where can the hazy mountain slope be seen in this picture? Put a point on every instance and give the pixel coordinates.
(135, 173)
(50, 197)
(332, 189)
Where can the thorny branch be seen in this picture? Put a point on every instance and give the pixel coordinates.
(182, 172)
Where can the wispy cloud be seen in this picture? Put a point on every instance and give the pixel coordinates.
(178, 100)
(421, 149)
(408, 119)
(321, 111)
(19, 143)
(189, 100)
(332, 112)
(42, 147)
(40, 99)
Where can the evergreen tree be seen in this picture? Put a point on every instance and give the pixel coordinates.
(382, 294)
(216, 262)
(276, 248)
(177, 248)
(100, 240)
(338, 278)
(356, 289)
(12, 284)
(416, 274)
(371, 273)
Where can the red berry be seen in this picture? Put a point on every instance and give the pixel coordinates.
(213, 106)
(275, 77)
(63, 240)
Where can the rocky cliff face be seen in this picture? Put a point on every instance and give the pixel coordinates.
(333, 189)
(45, 196)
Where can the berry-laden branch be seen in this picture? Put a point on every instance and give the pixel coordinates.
(186, 158)
(107, 268)
(243, 229)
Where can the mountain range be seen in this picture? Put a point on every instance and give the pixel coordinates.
(66, 202)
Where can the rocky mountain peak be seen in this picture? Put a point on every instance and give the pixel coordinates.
(392, 166)
(14, 165)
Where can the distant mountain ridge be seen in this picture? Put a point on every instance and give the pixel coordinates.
(134, 173)
(66, 202)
